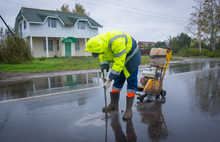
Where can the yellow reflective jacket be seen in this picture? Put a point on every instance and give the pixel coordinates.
(112, 46)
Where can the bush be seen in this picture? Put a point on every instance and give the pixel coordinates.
(14, 51)
(42, 58)
(205, 52)
(186, 52)
(215, 53)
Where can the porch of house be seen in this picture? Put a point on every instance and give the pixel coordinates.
(57, 46)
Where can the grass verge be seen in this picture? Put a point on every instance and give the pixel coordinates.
(59, 64)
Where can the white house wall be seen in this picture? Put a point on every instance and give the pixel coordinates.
(38, 47)
(25, 32)
(81, 51)
(62, 31)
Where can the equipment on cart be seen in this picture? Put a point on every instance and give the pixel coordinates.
(152, 82)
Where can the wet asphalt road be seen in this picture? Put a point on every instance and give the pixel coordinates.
(68, 108)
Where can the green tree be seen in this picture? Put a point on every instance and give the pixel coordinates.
(149, 45)
(180, 41)
(195, 43)
(159, 43)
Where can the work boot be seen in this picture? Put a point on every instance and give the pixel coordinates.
(128, 111)
(114, 102)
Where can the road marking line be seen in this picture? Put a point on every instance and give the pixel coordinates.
(51, 94)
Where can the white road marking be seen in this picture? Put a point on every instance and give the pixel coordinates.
(51, 94)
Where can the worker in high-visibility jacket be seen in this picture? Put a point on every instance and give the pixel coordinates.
(122, 49)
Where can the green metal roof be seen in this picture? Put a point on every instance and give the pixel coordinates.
(39, 15)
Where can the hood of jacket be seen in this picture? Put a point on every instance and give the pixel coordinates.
(97, 44)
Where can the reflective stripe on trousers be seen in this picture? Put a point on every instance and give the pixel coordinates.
(131, 86)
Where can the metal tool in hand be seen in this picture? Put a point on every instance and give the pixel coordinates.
(104, 88)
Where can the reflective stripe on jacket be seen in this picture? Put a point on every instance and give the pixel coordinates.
(112, 46)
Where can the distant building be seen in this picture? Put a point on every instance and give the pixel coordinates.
(142, 44)
(54, 33)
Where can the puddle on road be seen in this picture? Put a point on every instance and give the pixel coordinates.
(175, 68)
(41, 86)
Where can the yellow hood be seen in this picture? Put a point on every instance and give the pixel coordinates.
(97, 44)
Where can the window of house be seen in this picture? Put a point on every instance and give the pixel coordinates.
(82, 25)
(20, 30)
(52, 23)
(50, 45)
(58, 45)
(77, 46)
(25, 24)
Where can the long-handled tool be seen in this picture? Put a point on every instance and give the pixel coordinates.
(104, 89)
(105, 97)
(106, 114)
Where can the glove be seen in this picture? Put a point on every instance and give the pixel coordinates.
(107, 84)
(104, 75)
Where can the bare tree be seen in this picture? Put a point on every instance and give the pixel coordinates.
(204, 21)
(196, 23)
(211, 11)
(64, 8)
(78, 9)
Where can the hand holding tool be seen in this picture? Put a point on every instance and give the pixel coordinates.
(104, 75)
(107, 84)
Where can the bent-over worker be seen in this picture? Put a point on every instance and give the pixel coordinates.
(122, 49)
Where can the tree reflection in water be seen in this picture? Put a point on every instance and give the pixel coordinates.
(204, 91)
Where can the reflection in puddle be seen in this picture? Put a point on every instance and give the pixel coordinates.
(40, 86)
(118, 130)
(204, 91)
(151, 113)
(175, 68)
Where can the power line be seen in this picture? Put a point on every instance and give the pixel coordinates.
(133, 12)
(135, 28)
(143, 10)
(14, 2)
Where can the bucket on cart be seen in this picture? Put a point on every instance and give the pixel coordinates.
(157, 57)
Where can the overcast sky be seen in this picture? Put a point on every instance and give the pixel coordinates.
(144, 20)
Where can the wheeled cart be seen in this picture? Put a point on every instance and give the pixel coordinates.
(152, 82)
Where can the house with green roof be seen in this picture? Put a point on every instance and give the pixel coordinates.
(55, 33)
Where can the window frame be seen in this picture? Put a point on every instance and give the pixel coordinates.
(82, 25)
(58, 45)
(50, 45)
(77, 46)
(52, 22)
(25, 25)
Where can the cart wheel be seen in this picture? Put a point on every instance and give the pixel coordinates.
(157, 97)
(141, 97)
(163, 93)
